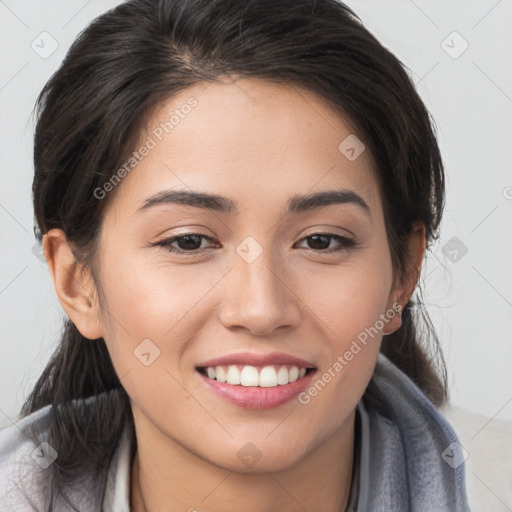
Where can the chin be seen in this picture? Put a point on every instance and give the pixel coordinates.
(258, 457)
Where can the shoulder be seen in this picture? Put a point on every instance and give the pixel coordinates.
(411, 458)
(392, 395)
(25, 455)
(29, 459)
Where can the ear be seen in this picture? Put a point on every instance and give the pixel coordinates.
(404, 287)
(74, 286)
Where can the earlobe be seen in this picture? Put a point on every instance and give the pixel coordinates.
(401, 294)
(74, 287)
(393, 316)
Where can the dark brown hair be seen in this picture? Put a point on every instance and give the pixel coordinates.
(145, 51)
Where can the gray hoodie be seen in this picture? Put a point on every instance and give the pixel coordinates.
(407, 459)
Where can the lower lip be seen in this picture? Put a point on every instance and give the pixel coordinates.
(255, 397)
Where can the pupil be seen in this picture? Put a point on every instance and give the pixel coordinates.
(315, 239)
(189, 242)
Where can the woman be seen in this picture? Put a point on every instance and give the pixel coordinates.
(234, 200)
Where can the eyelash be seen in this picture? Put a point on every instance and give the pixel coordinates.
(345, 243)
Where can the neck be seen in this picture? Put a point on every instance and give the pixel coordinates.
(167, 476)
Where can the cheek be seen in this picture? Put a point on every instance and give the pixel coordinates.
(352, 305)
(349, 298)
(149, 324)
(152, 301)
(151, 298)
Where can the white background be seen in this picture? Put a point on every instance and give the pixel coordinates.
(470, 98)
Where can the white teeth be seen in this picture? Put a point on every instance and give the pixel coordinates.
(249, 376)
(283, 376)
(266, 377)
(233, 375)
(220, 374)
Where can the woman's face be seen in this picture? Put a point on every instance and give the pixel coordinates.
(256, 286)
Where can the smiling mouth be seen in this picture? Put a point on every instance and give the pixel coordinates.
(269, 376)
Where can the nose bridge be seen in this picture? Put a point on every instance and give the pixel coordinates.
(259, 296)
(263, 277)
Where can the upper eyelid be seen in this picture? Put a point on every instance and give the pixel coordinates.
(181, 235)
(174, 238)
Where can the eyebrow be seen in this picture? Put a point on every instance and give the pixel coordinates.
(221, 204)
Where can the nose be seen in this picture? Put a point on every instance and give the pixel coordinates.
(260, 296)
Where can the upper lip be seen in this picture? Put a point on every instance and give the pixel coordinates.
(248, 359)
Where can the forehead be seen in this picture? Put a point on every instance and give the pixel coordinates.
(247, 139)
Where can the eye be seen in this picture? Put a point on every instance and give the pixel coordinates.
(321, 241)
(188, 243)
(191, 243)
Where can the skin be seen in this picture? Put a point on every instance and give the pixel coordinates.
(258, 144)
